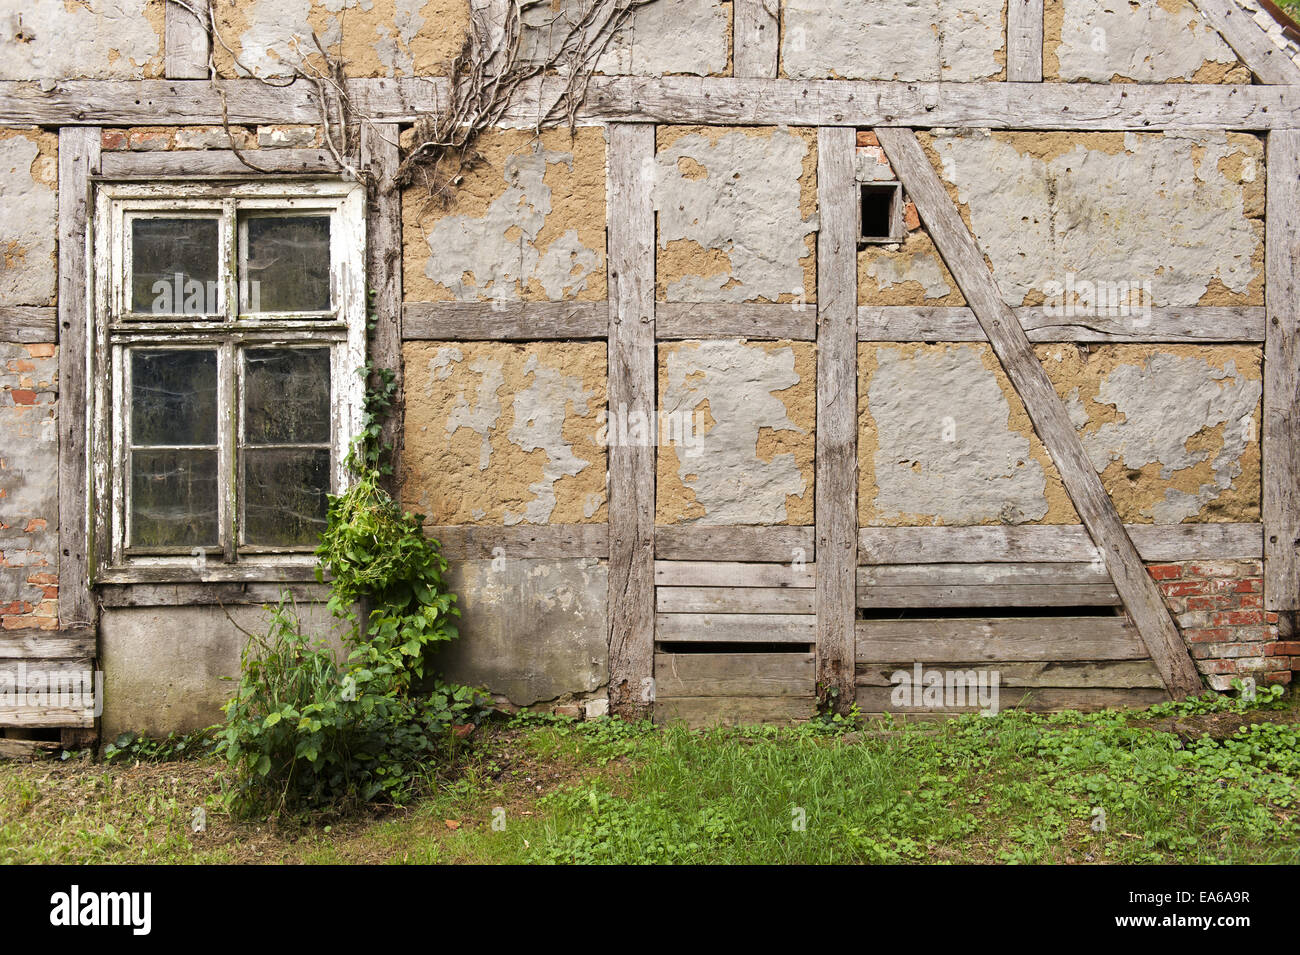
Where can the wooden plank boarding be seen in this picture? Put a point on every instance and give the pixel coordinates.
(836, 485)
(738, 628)
(631, 256)
(1025, 41)
(776, 544)
(695, 573)
(78, 160)
(755, 37)
(999, 639)
(1280, 447)
(955, 243)
(505, 321)
(734, 674)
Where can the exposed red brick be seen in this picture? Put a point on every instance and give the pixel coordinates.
(1206, 635)
(41, 351)
(1215, 602)
(1277, 676)
(1237, 618)
(1165, 571)
(1183, 588)
(867, 138)
(1286, 648)
(112, 139)
(23, 396)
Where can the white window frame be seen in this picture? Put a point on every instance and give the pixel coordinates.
(114, 330)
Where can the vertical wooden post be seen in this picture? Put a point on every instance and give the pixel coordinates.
(1281, 460)
(837, 414)
(186, 43)
(755, 38)
(631, 392)
(1025, 41)
(78, 159)
(380, 156)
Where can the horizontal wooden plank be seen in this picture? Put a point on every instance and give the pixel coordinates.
(36, 717)
(214, 162)
(699, 712)
(26, 748)
(680, 99)
(777, 544)
(735, 628)
(989, 595)
(698, 573)
(29, 324)
(1138, 673)
(970, 575)
(504, 321)
(182, 595)
(1062, 542)
(1189, 324)
(735, 600)
(735, 674)
(47, 644)
(474, 542)
(995, 639)
(212, 573)
(795, 321)
(878, 699)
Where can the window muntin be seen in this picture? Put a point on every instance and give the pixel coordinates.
(222, 419)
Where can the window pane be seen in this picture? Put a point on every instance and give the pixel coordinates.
(174, 266)
(173, 498)
(288, 260)
(173, 397)
(287, 395)
(284, 495)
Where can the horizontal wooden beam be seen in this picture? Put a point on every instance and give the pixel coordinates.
(878, 699)
(32, 644)
(735, 600)
(675, 320)
(472, 542)
(777, 544)
(1195, 324)
(1120, 673)
(734, 674)
(682, 99)
(504, 321)
(1057, 542)
(214, 162)
(213, 573)
(700, 712)
(29, 324)
(186, 595)
(998, 639)
(987, 595)
(736, 628)
(698, 573)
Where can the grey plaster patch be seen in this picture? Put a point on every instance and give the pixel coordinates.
(474, 257)
(28, 226)
(1156, 211)
(746, 205)
(1165, 402)
(739, 382)
(892, 39)
(1137, 39)
(480, 417)
(97, 39)
(944, 445)
(529, 629)
(897, 269)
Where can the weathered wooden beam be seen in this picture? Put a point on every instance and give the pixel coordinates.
(475, 542)
(1119, 673)
(700, 573)
(77, 643)
(735, 600)
(1059, 542)
(114, 596)
(739, 628)
(700, 712)
(683, 99)
(1193, 324)
(675, 320)
(186, 43)
(998, 639)
(1281, 447)
(755, 35)
(381, 156)
(29, 324)
(987, 595)
(1249, 41)
(78, 161)
(213, 573)
(1025, 41)
(1047, 574)
(734, 674)
(631, 258)
(955, 243)
(778, 544)
(836, 504)
(214, 162)
(504, 321)
(873, 699)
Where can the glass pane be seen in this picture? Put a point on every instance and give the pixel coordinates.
(284, 495)
(173, 396)
(174, 266)
(173, 498)
(288, 261)
(287, 395)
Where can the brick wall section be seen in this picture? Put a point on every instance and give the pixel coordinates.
(29, 484)
(165, 138)
(1219, 607)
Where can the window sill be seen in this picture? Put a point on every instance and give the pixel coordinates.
(214, 573)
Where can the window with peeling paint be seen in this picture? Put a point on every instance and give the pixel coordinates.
(230, 324)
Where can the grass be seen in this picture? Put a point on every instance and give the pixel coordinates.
(1199, 782)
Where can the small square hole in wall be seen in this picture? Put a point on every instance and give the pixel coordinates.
(880, 212)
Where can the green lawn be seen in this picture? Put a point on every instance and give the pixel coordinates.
(1012, 788)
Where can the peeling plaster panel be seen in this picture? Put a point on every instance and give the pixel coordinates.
(1143, 41)
(373, 37)
(737, 214)
(1181, 211)
(894, 40)
(88, 39)
(750, 409)
(529, 629)
(505, 434)
(528, 224)
(28, 217)
(909, 273)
